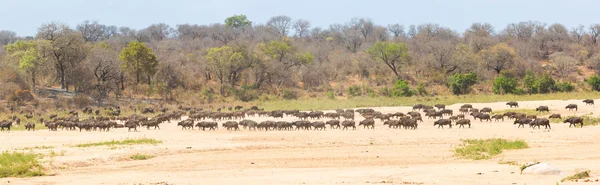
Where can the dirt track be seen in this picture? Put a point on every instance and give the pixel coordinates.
(380, 156)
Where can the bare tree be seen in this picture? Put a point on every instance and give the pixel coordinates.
(594, 32)
(92, 31)
(7, 37)
(564, 65)
(280, 23)
(158, 32)
(364, 25)
(301, 27)
(397, 30)
(578, 33)
(104, 64)
(66, 49)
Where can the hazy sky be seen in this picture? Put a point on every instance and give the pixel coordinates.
(25, 16)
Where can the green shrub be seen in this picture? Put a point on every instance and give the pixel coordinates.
(545, 84)
(401, 89)
(484, 149)
(209, 94)
(289, 94)
(505, 85)
(421, 89)
(594, 82)
(17, 164)
(354, 90)
(461, 83)
(246, 94)
(529, 82)
(330, 95)
(565, 87)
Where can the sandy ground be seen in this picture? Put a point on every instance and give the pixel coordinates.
(380, 156)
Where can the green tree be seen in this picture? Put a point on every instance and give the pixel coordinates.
(238, 21)
(284, 53)
(594, 82)
(139, 59)
(227, 63)
(461, 83)
(28, 56)
(505, 85)
(545, 84)
(530, 82)
(394, 55)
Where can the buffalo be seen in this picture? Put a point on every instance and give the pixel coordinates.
(588, 101)
(571, 107)
(573, 121)
(463, 122)
(512, 104)
(443, 122)
(542, 109)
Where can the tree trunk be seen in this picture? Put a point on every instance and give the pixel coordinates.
(137, 77)
(221, 89)
(33, 78)
(149, 80)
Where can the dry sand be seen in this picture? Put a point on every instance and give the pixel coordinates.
(380, 156)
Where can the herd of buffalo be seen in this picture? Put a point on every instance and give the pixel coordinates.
(317, 120)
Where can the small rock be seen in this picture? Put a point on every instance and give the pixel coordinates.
(252, 163)
(495, 171)
(479, 173)
(189, 147)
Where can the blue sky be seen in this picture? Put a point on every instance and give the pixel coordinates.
(25, 16)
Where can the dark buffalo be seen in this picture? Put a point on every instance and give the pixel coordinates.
(498, 117)
(367, 123)
(542, 109)
(333, 124)
(539, 122)
(318, 125)
(6, 124)
(588, 101)
(440, 106)
(486, 110)
(522, 122)
(466, 106)
(555, 116)
(443, 122)
(571, 107)
(347, 124)
(573, 121)
(30, 126)
(512, 104)
(417, 107)
(392, 123)
(463, 122)
(231, 125)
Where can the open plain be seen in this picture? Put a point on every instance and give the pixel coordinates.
(361, 156)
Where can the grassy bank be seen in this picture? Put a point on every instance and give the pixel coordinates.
(123, 142)
(18, 164)
(484, 149)
(353, 102)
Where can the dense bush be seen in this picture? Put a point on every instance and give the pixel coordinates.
(545, 84)
(565, 87)
(421, 89)
(461, 83)
(354, 90)
(401, 89)
(289, 94)
(530, 82)
(505, 85)
(246, 94)
(330, 95)
(594, 82)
